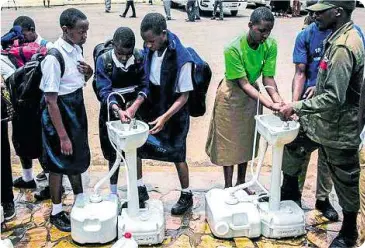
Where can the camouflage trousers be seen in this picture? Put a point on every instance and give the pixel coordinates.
(362, 197)
(218, 4)
(108, 4)
(342, 164)
(299, 166)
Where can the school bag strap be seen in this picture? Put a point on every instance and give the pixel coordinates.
(108, 63)
(56, 53)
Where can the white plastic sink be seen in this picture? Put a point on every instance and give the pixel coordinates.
(275, 131)
(127, 136)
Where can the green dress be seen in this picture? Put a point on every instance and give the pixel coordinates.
(232, 126)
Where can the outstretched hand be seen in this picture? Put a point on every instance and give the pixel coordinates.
(286, 111)
(159, 124)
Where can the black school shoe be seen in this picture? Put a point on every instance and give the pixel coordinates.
(41, 176)
(184, 203)
(61, 221)
(21, 184)
(45, 194)
(327, 210)
(142, 195)
(9, 210)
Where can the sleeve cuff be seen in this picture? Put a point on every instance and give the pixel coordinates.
(113, 102)
(297, 106)
(141, 93)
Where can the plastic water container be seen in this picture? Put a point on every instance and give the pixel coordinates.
(2, 214)
(127, 241)
(148, 227)
(232, 217)
(288, 221)
(6, 243)
(94, 222)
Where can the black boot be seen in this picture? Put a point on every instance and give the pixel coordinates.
(142, 195)
(327, 210)
(348, 234)
(290, 189)
(183, 204)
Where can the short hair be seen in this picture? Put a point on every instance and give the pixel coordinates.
(124, 37)
(70, 16)
(154, 22)
(261, 14)
(25, 22)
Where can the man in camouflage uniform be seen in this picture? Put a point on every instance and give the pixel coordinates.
(332, 114)
(362, 164)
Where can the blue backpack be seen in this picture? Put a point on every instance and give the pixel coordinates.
(201, 75)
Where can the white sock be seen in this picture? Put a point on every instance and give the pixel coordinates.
(27, 175)
(186, 190)
(114, 188)
(47, 175)
(140, 182)
(56, 208)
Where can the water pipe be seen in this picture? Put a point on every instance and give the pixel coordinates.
(255, 176)
(119, 157)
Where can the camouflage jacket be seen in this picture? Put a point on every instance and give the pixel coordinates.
(332, 114)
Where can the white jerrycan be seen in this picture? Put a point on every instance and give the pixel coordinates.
(126, 241)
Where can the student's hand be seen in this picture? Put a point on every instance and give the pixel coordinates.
(124, 116)
(309, 92)
(85, 69)
(159, 124)
(294, 117)
(131, 111)
(287, 111)
(276, 106)
(66, 146)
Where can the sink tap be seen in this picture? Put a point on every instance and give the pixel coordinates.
(133, 124)
(286, 125)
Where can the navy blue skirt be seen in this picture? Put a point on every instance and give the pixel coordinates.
(74, 119)
(170, 143)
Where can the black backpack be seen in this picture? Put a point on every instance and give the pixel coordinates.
(99, 50)
(23, 84)
(201, 75)
(103, 49)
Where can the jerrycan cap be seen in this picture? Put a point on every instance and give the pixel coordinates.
(128, 235)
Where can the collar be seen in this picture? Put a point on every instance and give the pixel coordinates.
(39, 39)
(172, 38)
(68, 47)
(120, 65)
(334, 36)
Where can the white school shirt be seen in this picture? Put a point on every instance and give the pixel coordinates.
(185, 82)
(120, 65)
(7, 67)
(72, 79)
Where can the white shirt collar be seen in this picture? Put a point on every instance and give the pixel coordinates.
(120, 65)
(39, 39)
(68, 47)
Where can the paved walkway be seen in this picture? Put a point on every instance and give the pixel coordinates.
(31, 227)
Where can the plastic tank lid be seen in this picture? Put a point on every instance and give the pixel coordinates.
(128, 235)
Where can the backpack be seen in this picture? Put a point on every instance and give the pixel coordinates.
(100, 49)
(103, 49)
(23, 85)
(19, 54)
(201, 75)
